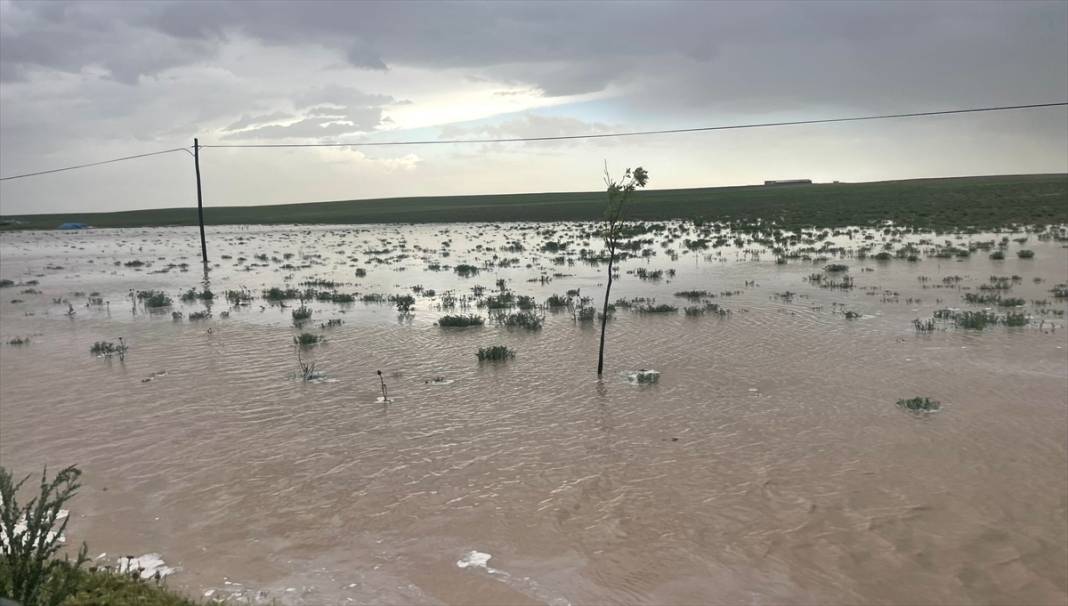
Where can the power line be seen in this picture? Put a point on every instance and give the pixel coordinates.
(648, 132)
(59, 170)
(557, 138)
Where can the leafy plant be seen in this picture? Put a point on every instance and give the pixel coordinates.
(619, 192)
(30, 537)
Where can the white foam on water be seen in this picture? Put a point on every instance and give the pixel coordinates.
(475, 559)
(525, 585)
(147, 566)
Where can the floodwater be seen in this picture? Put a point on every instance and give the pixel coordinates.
(769, 465)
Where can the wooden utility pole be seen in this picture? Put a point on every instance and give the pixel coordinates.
(200, 203)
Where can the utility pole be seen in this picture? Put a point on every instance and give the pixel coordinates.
(200, 203)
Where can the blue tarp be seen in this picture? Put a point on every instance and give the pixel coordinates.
(73, 226)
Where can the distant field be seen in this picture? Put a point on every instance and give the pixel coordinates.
(927, 203)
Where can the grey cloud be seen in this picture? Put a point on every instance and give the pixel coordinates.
(247, 121)
(721, 52)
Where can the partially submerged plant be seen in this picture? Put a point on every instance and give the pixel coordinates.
(107, 349)
(307, 369)
(619, 192)
(301, 314)
(460, 321)
(382, 382)
(522, 319)
(495, 353)
(154, 299)
(307, 339)
(920, 404)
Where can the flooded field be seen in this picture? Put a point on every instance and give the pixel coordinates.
(770, 462)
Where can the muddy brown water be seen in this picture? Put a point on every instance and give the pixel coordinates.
(769, 465)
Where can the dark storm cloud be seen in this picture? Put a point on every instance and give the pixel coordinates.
(860, 52)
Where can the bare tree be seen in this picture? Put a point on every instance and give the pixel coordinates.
(618, 193)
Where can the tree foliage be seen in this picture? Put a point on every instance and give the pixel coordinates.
(619, 193)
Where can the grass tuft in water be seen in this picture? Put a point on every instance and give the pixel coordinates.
(460, 321)
(920, 404)
(494, 353)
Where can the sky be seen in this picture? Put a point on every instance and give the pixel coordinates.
(87, 81)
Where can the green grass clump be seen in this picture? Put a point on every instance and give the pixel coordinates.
(239, 297)
(404, 303)
(1025, 254)
(522, 319)
(95, 587)
(198, 316)
(465, 271)
(920, 404)
(279, 294)
(307, 339)
(1016, 319)
(835, 268)
(301, 314)
(108, 349)
(460, 321)
(192, 295)
(1011, 302)
(19, 341)
(496, 353)
(154, 299)
(693, 295)
(557, 301)
(5, 283)
(998, 255)
(650, 308)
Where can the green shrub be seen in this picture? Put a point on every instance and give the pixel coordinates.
(29, 571)
(465, 271)
(460, 321)
(154, 298)
(494, 353)
(1025, 254)
(523, 319)
(301, 314)
(663, 308)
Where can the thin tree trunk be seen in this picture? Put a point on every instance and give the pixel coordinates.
(604, 313)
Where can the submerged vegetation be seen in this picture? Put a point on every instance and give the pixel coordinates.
(494, 353)
(920, 404)
(460, 321)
